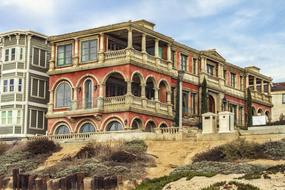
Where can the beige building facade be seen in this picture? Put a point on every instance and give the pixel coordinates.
(278, 100)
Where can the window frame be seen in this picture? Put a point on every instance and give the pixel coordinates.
(39, 59)
(89, 51)
(233, 80)
(283, 98)
(55, 95)
(183, 64)
(38, 88)
(64, 57)
(37, 118)
(210, 67)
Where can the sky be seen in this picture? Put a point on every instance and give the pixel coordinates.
(244, 32)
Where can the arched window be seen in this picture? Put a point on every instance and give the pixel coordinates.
(87, 128)
(88, 93)
(62, 129)
(116, 85)
(114, 126)
(63, 95)
(163, 125)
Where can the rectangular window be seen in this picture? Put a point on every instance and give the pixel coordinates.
(3, 117)
(183, 62)
(241, 82)
(38, 88)
(210, 69)
(185, 104)
(5, 86)
(19, 117)
(21, 53)
(9, 120)
(88, 50)
(233, 80)
(42, 59)
(64, 55)
(36, 119)
(36, 54)
(160, 52)
(13, 54)
(225, 74)
(39, 58)
(20, 85)
(7, 54)
(195, 65)
(283, 98)
(11, 87)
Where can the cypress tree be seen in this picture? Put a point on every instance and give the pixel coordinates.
(249, 108)
(204, 108)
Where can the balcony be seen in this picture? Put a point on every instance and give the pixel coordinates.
(113, 104)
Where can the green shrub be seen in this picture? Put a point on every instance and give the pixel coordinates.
(135, 146)
(123, 156)
(273, 149)
(159, 183)
(41, 146)
(241, 149)
(225, 185)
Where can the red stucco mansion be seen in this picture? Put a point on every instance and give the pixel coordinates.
(125, 76)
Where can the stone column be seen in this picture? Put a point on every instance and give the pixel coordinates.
(143, 95)
(100, 100)
(51, 101)
(156, 51)
(180, 76)
(75, 58)
(262, 86)
(169, 105)
(101, 56)
(129, 92)
(246, 81)
(144, 53)
(169, 61)
(74, 101)
(130, 38)
(156, 99)
(17, 38)
(52, 58)
(254, 83)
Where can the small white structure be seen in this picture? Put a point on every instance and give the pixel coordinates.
(209, 123)
(226, 122)
(259, 120)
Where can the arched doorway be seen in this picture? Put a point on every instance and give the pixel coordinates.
(149, 88)
(136, 124)
(88, 94)
(116, 85)
(150, 126)
(136, 85)
(162, 93)
(114, 126)
(260, 112)
(211, 104)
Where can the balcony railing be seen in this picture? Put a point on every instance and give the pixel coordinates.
(115, 54)
(117, 103)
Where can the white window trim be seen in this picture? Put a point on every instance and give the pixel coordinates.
(70, 42)
(14, 113)
(30, 119)
(80, 49)
(17, 54)
(38, 92)
(40, 49)
(16, 84)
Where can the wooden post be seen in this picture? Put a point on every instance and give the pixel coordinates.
(63, 183)
(31, 182)
(24, 181)
(1, 182)
(80, 182)
(15, 178)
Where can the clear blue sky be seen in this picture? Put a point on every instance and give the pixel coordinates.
(244, 32)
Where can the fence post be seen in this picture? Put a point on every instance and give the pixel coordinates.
(31, 182)
(24, 181)
(80, 183)
(1, 182)
(16, 179)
